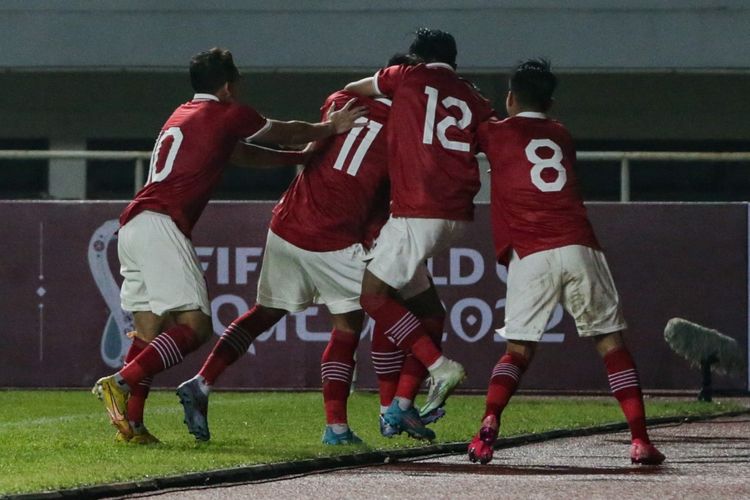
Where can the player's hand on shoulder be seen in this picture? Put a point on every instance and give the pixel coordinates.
(346, 118)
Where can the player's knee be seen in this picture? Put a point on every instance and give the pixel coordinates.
(608, 342)
(199, 322)
(523, 352)
(350, 322)
(372, 302)
(145, 336)
(269, 314)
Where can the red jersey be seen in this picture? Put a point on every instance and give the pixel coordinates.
(535, 201)
(341, 196)
(190, 154)
(431, 140)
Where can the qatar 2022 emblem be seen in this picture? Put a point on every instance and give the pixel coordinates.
(115, 342)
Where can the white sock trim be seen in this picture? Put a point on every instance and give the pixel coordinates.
(202, 384)
(437, 364)
(339, 428)
(403, 403)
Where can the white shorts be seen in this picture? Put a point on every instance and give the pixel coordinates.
(405, 243)
(159, 266)
(292, 278)
(575, 276)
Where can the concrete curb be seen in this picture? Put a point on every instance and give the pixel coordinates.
(273, 471)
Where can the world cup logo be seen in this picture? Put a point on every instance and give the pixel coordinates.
(115, 342)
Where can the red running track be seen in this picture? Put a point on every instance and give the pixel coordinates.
(705, 460)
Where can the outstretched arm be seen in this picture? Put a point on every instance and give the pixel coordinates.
(297, 132)
(247, 154)
(365, 87)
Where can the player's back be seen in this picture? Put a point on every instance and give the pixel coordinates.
(189, 157)
(432, 140)
(535, 201)
(341, 196)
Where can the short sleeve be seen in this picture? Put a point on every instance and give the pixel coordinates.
(484, 133)
(326, 105)
(482, 136)
(485, 110)
(247, 122)
(339, 99)
(387, 80)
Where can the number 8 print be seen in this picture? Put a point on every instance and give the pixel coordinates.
(541, 163)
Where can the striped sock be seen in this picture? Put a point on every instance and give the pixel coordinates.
(413, 372)
(166, 350)
(626, 388)
(387, 360)
(336, 370)
(503, 382)
(235, 341)
(402, 328)
(139, 393)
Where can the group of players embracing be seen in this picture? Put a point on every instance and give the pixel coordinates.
(389, 179)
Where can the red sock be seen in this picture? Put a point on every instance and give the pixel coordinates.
(336, 370)
(139, 393)
(401, 327)
(623, 380)
(235, 341)
(387, 360)
(166, 350)
(413, 372)
(137, 400)
(503, 382)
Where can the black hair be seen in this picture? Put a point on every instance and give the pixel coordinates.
(533, 84)
(211, 69)
(432, 45)
(406, 59)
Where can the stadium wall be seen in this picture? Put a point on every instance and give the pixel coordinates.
(602, 34)
(63, 326)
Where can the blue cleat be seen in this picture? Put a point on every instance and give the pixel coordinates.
(433, 416)
(386, 429)
(407, 421)
(195, 404)
(348, 437)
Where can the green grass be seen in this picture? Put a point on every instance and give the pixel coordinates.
(62, 439)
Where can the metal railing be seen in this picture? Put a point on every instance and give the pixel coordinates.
(140, 159)
(625, 157)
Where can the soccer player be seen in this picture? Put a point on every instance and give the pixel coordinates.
(434, 178)
(162, 278)
(542, 232)
(318, 237)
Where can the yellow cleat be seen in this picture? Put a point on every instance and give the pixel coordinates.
(144, 437)
(122, 438)
(115, 400)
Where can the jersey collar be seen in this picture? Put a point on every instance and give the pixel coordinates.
(532, 114)
(205, 97)
(439, 65)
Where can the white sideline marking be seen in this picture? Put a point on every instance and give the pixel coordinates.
(41, 278)
(176, 409)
